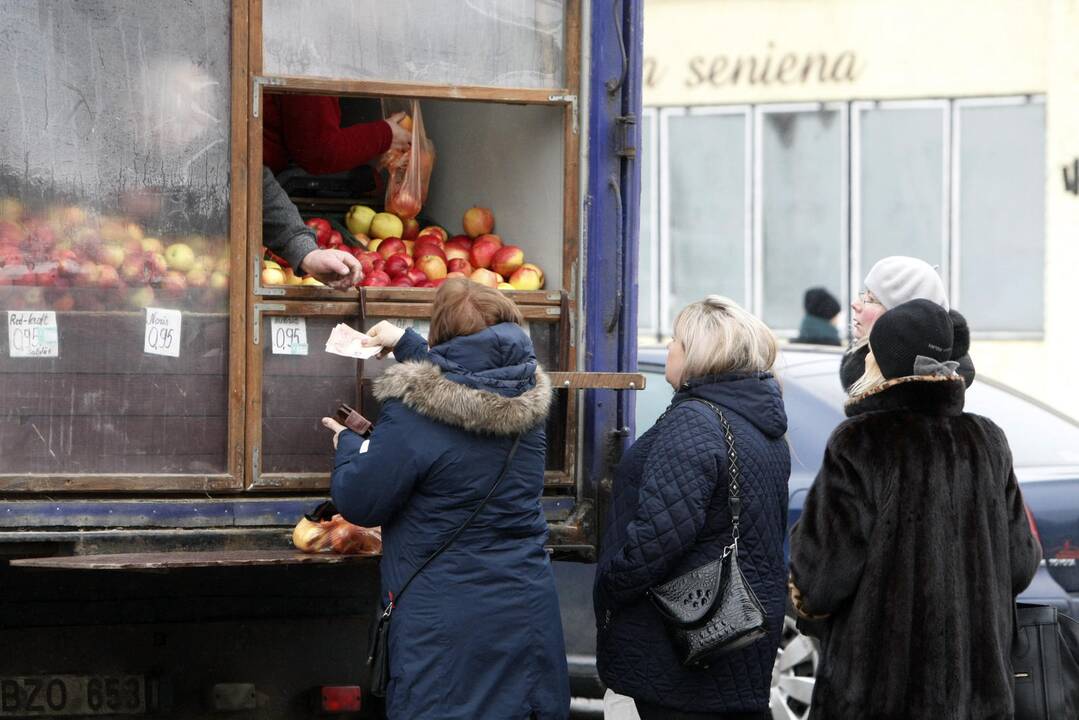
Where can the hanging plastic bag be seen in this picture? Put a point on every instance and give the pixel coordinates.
(409, 170)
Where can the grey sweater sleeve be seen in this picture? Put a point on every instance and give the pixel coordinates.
(283, 230)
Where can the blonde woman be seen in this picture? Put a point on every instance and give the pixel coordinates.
(913, 541)
(669, 514)
(890, 283)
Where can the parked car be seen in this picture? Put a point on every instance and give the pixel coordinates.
(1045, 446)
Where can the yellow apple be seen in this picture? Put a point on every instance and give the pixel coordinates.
(384, 225)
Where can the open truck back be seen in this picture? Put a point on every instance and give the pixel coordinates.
(156, 444)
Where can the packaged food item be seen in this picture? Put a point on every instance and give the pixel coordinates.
(324, 530)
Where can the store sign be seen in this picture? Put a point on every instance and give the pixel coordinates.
(32, 333)
(288, 335)
(767, 68)
(162, 332)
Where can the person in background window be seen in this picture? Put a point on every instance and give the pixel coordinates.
(890, 283)
(306, 130)
(913, 542)
(669, 514)
(284, 232)
(818, 325)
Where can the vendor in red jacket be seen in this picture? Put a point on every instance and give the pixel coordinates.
(306, 129)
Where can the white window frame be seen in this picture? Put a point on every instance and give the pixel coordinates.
(664, 193)
(757, 198)
(954, 295)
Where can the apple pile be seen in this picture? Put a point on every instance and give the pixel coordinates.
(73, 259)
(399, 253)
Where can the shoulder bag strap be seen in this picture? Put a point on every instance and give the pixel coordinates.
(505, 471)
(734, 497)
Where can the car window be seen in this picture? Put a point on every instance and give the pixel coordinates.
(653, 400)
(1038, 437)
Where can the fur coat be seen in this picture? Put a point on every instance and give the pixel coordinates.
(911, 548)
(478, 634)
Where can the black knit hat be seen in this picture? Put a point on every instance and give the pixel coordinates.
(918, 327)
(961, 333)
(819, 302)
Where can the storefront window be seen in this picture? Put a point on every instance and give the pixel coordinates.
(648, 272)
(1001, 229)
(704, 192)
(114, 199)
(802, 209)
(900, 170)
(500, 43)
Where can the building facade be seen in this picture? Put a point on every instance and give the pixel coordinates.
(792, 143)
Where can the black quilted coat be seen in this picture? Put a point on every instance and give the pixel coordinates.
(914, 543)
(668, 515)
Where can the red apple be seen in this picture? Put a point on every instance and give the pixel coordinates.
(433, 266)
(368, 260)
(64, 303)
(438, 283)
(435, 230)
(391, 246)
(527, 277)
(336, 240)
(401, 281)
(412, 229)
(460, 265)
(174, 284)
(507, 260)
(483, 252)
(463, 240)
(428, 284)
(456, 252)
(322, 229)
(426, 249)
(478, 221)
(416, 276)
(457, 274)
(490, 238)
(108, 277)
(398, 264)
(485, 277)
(376, 278)
(112, 255)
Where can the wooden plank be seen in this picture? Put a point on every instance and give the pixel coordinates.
(388, 294)
(597, 380)
(86, 439)
(147, 483)
(301, 85)
(178, 560)
(308, 397)
(297, 481)
(532, 313)
(252, 245)
(67, 395)
(239, 180)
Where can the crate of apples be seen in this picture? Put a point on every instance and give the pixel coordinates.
(401, 254)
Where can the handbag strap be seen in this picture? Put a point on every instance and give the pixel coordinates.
(734, 474)
(505, 471)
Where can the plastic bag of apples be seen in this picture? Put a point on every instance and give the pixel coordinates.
(324, 530)
(409, 170)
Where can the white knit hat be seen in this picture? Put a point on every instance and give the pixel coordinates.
(898, 279)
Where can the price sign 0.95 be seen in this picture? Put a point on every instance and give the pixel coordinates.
(32, 333)
(162, 332)
(289, 335)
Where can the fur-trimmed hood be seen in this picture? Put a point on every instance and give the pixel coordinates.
(930, 395)
(422, 387)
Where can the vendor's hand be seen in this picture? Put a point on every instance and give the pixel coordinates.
(336, 268)
(335, 427)
(385, 334)
(402, 139)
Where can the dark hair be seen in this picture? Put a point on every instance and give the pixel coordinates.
(462, 307)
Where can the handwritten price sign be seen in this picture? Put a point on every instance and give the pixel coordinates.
(289, 335)
(32, 334)
(162, 332)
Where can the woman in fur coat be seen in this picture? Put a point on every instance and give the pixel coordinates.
(913, 542)
(890, 283)
(478, 633)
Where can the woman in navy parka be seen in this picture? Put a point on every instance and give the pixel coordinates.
(478, 633)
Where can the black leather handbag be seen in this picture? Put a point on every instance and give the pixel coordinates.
(379, 658)
(1045, 660)
(713, 610)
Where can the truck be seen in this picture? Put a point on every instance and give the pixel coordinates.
(160, 403)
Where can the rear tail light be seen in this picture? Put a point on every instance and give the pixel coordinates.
(1033, 525)
(341, 698)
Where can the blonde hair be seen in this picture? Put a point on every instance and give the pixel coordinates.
(870, 380)
(720, 336)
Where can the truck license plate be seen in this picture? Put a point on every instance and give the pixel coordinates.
(58, 695)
